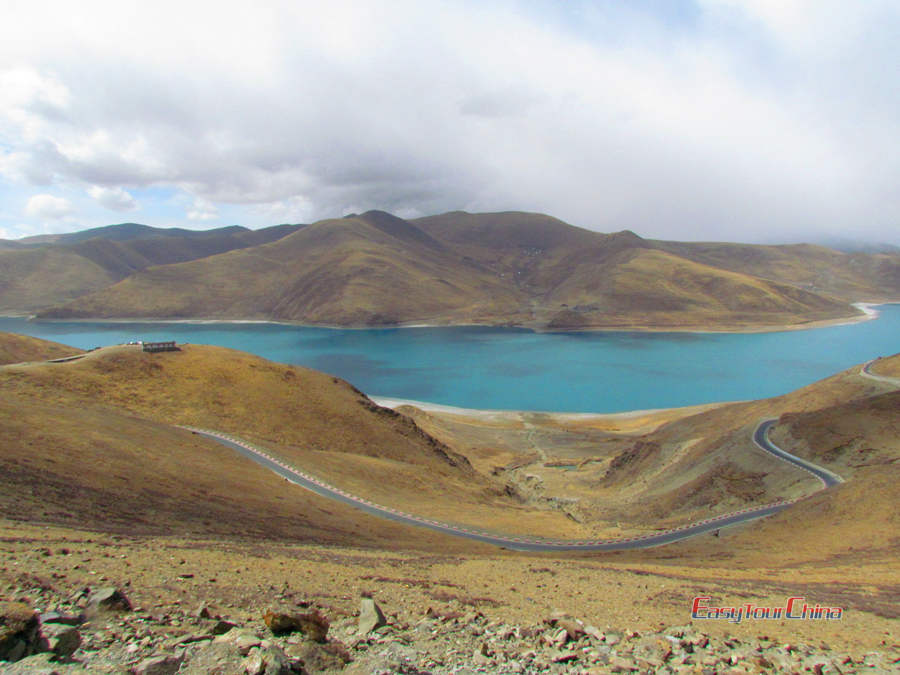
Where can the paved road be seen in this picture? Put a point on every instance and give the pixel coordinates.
(866, 371)
(528, 543)
(761, 438)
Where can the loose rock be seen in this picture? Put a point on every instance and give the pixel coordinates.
(18, 631)
(312, 624)
(159, 665)
(61, 639)
(108, 599)
(370, 616)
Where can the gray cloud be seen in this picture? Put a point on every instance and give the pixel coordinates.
(717, 119)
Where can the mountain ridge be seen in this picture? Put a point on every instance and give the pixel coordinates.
(506, 268)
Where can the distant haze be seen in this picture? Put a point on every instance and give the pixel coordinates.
(734, 120)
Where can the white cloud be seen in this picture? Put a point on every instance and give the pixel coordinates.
(202, 209)
(48, 207)
(297, 209)
(706, 119)
(115, 199)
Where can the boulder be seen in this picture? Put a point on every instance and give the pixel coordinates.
(18, 631)
(162, 664)
(61, 639)
(58, 617)
(370, 616)
(108, 599)
(223, 657)
(243, 640)
(573, 628)
(316, 657)
(312, 624)
(220, 627)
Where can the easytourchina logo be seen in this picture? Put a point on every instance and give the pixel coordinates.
(794, 608)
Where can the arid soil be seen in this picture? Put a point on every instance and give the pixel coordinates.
(503, 600)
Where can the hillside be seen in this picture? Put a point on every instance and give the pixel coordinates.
(98, 488)
(644, 471)
(17, 348)
(96, 439)
(500, 269)
(851, 276)
(52, 269)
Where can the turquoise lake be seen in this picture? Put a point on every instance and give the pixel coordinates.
(500, 368)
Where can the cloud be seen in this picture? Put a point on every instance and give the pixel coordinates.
(715, 119)
(115, 199)
(202, 209)
(48, 207)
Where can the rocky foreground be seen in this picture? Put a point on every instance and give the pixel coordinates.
(98, 630)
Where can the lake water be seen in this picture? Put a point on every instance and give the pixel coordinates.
(512, 369)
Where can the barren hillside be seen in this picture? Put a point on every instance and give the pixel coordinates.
(500, 269)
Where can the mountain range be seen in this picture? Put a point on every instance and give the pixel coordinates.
(376, 269)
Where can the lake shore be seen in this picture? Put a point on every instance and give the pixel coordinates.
(867, 312)
(521, 370)
(630, 421)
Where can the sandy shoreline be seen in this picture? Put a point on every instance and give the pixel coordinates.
(479, 413)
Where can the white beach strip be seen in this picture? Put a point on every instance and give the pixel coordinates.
(574, 416)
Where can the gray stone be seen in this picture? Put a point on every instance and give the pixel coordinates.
(57, 617)
(18, 631)
(61, 639)
(221, 627)
(316, 657)
(370, 616)
(163, 664)
(223, 657)
(243, 640)
(108, 599)
(213, 658)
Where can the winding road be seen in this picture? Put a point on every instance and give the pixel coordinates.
(528, 543)
(866, 371)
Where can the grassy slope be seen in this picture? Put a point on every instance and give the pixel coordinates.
(42, 276)
(690, 468)
(35, 278)
(849, 529)
(347, 271)
(818, 269)
(709, 459)
(524, 269)
(313, 420)
(888, 367)
(17, 348)
(847, 424)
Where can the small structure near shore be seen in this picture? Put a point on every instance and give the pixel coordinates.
(160, 346)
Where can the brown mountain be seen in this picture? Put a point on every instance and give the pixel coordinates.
(38, 272)
(502, 268)
(851, 276)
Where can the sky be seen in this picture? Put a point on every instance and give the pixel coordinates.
(734, 120)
